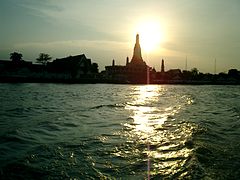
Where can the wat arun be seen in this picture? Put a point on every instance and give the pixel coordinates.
(135, 71)
(137, 55)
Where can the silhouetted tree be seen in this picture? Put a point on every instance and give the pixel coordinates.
(43, 58)
(234, 73)
(94, 68)
(194, 71)
(16, 57)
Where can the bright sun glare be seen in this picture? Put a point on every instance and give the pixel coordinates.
(151, 35)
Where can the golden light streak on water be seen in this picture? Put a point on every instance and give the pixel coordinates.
(164, 140)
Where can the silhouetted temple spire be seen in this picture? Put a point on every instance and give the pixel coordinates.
(162, 66)
(137, 39)
(127, 61)
(137, 55)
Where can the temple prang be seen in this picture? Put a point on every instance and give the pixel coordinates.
(137, 55)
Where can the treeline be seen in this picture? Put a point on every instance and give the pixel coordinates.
(43, 58)
(195, 77)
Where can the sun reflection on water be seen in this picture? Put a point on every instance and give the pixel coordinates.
(153, 124)
(145, 115)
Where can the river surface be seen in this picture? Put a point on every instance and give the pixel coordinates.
(104, 131)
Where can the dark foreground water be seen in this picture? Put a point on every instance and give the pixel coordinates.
(99, 131)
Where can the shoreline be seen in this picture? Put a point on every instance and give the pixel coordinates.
(104, 81)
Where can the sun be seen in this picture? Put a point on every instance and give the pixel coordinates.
(151, 35)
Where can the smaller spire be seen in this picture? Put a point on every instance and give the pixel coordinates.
(113, 62)
(186, 63)
(127, 61)
(162, 66)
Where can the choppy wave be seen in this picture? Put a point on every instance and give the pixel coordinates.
(103, 131)
(108, 106)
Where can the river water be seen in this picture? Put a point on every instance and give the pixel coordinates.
(104, 131)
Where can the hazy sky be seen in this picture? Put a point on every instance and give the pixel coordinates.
(104, 30)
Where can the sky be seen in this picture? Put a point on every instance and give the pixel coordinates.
(199, 31)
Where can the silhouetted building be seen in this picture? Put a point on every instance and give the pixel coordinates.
(75, 66)
(14, 70)
(135, 71)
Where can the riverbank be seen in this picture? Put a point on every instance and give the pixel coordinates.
(87, 80)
